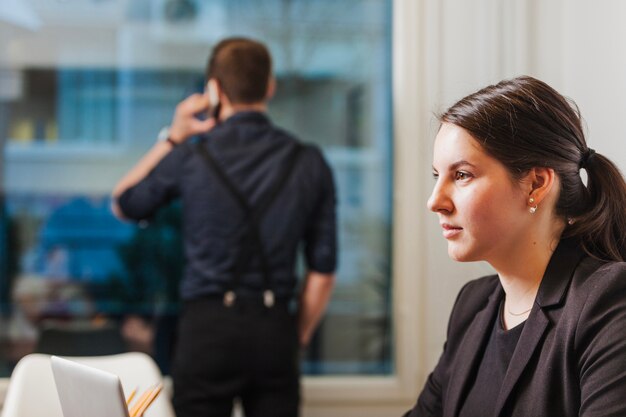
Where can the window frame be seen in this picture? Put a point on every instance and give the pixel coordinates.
(408, 256)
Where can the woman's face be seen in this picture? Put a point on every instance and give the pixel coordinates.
(482, 211)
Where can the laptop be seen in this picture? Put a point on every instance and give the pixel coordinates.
(87, 391)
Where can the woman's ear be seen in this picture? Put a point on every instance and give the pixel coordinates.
(540, 181)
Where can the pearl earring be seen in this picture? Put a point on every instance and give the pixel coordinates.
(532, 209)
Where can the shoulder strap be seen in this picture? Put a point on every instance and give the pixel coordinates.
(224, 179)
(251, 240)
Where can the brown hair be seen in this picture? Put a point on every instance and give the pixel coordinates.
(242, 67)
(525, 123)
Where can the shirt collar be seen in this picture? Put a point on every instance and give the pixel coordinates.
(247, 116)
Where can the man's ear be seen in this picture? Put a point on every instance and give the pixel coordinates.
(540, 181)
(271, 89)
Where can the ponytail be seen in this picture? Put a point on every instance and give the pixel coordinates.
(601, 227)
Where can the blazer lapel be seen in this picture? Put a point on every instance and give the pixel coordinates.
(551, 293)
(471, 353)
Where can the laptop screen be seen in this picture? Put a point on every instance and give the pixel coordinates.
(87, 391)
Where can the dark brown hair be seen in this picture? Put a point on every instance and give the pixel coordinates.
(242, 67)
(525, 123)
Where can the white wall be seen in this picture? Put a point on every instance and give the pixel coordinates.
(577, 46)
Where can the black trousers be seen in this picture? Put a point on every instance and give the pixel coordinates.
(247, 351)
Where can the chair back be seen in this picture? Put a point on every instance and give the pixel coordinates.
(32, 391)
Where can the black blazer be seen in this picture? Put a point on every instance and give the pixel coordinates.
(571, 356)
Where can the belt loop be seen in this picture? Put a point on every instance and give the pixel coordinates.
(229, 298)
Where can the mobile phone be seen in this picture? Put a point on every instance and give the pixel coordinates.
(214, 99)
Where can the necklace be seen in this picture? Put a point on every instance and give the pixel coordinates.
(518, 314)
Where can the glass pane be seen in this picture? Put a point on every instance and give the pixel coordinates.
(84, 89)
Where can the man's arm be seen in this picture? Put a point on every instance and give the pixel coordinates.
(184, 125)
(315, 296)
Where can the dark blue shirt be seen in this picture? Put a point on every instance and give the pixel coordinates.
(253, 153)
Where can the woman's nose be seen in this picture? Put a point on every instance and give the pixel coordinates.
(439, 199)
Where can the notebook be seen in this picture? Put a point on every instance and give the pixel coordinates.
(86, 391)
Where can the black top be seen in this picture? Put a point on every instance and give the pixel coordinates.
(252, 152)
(481, 399)
(570, 360)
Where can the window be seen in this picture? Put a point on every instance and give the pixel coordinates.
(88, 88)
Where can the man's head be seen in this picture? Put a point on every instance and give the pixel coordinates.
(242, 68)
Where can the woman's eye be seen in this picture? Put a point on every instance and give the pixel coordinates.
(461, 175)
(435, 175)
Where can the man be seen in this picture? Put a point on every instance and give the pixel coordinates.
(251, 195)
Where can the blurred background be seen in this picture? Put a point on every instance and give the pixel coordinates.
(85, 86)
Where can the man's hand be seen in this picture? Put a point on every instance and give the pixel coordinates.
(316, 293)
(186, 123)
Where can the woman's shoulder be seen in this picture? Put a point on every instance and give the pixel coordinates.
(480, 287)
(595, 310)
(598, 288)
(592, 274)
(612, 270)
(475, 294)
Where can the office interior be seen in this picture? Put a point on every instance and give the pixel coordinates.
(85, 86)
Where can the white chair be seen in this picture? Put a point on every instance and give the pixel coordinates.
(32, 391)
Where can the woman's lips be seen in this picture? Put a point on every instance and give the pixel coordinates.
(450, 231)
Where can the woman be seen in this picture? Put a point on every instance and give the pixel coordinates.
(546, 336)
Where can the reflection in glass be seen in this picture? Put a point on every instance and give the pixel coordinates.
(85, 94)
